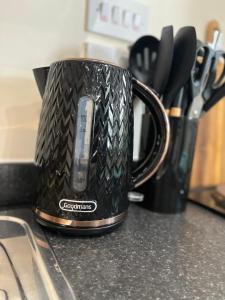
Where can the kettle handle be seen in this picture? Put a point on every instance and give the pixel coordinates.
(161, 137)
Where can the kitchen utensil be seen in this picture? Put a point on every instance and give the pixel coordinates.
(84, 145)
(215, 98)
(183, 60)
(176, 108)
(164, 60)
(215, 88)
(175, 177)
(216, 77)
(168, 170)
(166, 191)
(199, 78)
(143, 58)
(150, 60)
(159, 64)
(142, 63)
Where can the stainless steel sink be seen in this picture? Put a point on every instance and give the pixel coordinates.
(28, 266)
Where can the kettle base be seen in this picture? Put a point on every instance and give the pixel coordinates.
(110, 225)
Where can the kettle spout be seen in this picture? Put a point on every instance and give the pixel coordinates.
(41, 75)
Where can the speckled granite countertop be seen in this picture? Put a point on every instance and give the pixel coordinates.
(151, 256)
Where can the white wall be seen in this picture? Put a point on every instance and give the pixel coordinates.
(185, 12)
(36, 32)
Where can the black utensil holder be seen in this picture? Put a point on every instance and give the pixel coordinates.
(167, 191)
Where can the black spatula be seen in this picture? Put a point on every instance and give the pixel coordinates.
(164, 60)
(183, 60)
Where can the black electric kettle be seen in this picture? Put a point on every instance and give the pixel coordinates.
(85, 144)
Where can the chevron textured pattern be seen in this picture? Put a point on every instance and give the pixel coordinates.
(111, 143)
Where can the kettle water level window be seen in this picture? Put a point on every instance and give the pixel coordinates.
(82, 143)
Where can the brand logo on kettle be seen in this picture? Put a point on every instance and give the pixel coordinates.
(77, 205)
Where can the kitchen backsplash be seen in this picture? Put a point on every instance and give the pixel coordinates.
(35, 33)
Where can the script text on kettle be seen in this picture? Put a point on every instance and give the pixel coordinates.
(77, 205)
